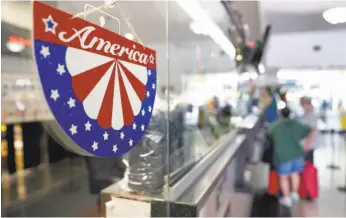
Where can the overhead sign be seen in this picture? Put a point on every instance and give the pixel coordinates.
(99, 85)
(15, 41)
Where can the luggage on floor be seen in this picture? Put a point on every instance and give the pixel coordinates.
(273, 183)
(309, 182)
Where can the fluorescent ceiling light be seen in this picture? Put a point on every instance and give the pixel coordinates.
(198, 15)
(335, 15)
(198, 29)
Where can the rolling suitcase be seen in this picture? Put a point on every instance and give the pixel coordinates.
(273, 183)
(309, 182)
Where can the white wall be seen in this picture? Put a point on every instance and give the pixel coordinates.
(295, 49)
(11, 64)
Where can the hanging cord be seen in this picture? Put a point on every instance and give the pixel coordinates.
(111, 4)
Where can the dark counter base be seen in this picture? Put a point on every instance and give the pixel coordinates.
(161, 208)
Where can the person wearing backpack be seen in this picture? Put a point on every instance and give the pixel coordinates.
(288, 154)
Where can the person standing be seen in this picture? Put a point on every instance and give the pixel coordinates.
(270, 105)
(288, 154)
(309, 118)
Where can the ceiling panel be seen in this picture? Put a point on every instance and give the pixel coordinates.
(307, 6)
(297, 50)
(285, 22)
(296, 16)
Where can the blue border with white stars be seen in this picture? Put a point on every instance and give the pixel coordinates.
(69, 112)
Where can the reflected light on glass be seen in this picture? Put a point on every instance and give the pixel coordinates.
(18, 144)
(281, 105)
(196, 12)
(23, 82)
(15, 46)
(20, 106)
(129, 36)
(110, 3)
(261, 68)
(198, 28)
(248, 76)
(126, 163)
(239, 57)
(335, 15)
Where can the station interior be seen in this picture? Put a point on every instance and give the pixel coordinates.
(201, 154)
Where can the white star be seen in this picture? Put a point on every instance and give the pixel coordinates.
(71, 102)
(131, 142)
(45, 51)
(143, 112)
(95, 146)
(134, 126)
(87, 126)
(49, 21)
(152, 59)
(122, 135)
(149, 72)
(73, 129)
(61, 69)
(105, 136)
(54, 94)
(149, 108)
(115, 148)
(148, 94)
(153, 86)
(142, 127)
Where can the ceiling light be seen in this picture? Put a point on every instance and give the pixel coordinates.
(129, 36)
(194, 10)
(15, 46)
(261, 68)
(281, 105)
(335, 15)
(198, 29)
(239, 57)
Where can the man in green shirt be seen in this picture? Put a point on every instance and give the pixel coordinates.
(287, 135)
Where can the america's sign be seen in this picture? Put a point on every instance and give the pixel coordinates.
(99, 85)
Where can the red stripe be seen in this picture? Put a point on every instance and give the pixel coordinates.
(126, 105)
(137, 85)
(84, 83)
(105, 115)
(67, 24)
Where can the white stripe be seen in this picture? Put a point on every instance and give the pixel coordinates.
(132, 95)
(117, 113)
(88, 61)
(138, 71)
(93, 102)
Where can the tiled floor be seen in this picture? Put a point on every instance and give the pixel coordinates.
(331, 202)
(29, 192)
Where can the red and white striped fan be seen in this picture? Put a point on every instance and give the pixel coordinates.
(111, 90)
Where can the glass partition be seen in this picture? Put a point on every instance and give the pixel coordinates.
(196, 96)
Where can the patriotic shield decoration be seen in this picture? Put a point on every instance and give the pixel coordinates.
(99, 85)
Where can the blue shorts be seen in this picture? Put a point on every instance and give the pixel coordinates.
(289, 167)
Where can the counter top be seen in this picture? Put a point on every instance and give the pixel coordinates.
(195, 193)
